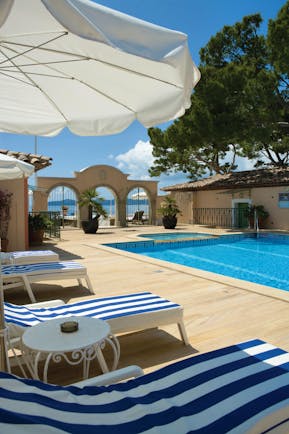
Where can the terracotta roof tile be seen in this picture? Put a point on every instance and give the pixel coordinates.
(38, 161)
(247, 179)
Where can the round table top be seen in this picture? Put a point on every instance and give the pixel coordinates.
(48, 337)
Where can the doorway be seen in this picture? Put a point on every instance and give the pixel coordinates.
(240, 217)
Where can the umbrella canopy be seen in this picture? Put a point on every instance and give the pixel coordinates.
(11, 168)
(76, 64)
(139, 195)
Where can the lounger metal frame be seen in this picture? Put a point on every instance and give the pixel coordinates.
(18, 277)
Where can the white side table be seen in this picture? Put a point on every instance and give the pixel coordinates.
(81, 346)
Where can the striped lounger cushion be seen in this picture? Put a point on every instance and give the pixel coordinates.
(43, 268)
(29, 257)
(124, 313)
(231, 390)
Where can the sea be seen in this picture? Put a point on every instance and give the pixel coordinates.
(108, 204)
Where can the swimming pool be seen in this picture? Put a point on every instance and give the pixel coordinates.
(175, 236)
(263, 260)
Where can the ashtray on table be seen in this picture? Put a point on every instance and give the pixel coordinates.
(69, 326)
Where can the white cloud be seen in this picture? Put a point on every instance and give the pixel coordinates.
(137, 160)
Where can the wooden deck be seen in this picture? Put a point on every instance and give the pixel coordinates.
(218, 311)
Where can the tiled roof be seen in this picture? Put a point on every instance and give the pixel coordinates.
(38, 161)
(248, 179)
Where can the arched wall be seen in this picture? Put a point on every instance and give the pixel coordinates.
(98, 176)
(151, 199)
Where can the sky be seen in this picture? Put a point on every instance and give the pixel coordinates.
(130, 151)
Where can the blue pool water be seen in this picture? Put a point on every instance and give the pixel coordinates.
(174, 236)
(263, 260)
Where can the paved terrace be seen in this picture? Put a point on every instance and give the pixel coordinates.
(218, 311)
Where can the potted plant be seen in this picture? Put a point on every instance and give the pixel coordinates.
(5, 204)
(37, 224)
(169, 211)
(91, 199)
(260, 213)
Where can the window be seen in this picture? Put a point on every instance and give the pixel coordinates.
(284, 200)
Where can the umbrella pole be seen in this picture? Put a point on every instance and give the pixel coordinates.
(4, 362)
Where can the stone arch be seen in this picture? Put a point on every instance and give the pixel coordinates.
(94, 176)
(64, 184)
(114, 193)
(64, 199)
(41, 195)
(139, 203)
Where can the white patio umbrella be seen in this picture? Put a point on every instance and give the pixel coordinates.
(139, 195)
(76, 64)
(10, 168)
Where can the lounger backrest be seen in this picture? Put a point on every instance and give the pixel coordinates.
(227, 390)
(138, 215)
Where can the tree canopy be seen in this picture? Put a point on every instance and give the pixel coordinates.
(240, 106)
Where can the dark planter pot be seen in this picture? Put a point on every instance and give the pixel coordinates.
(170, 222)
(90, 226)
(261, 222)
(36, 237)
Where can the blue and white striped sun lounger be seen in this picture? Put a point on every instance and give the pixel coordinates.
(240, 389)
(23, 275)
(124, 313)
(28, 257)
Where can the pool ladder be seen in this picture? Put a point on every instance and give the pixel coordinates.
(256, 224)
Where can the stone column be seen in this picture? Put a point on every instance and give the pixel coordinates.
(40, 201)
(121, 205)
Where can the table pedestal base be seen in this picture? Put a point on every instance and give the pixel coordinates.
(84, 355)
